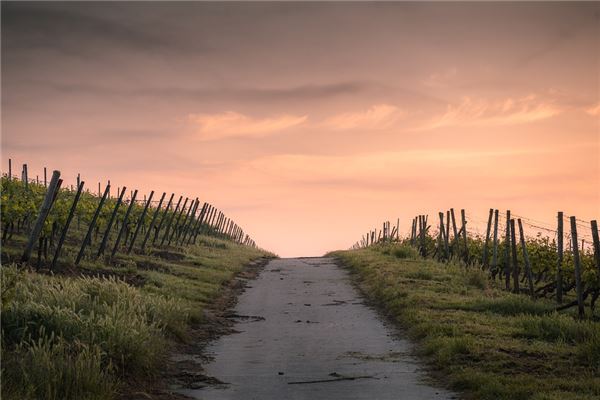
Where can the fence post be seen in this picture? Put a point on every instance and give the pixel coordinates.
(596, 241)
(485, 260)
(154, 215)
(507, 253)
(176, 226)
(110, 223)
(44, 211)
(560, 246)
(464, 227)
(25, 176)
(188, 224)
(92, 225)
(199, 222)
(577, 262)
(140, 222)
(63, 234)
(124, 223)
(526, 259)
(455, 231)
(513, 241)
(10, 170)
(162, 219)
(443, 234)
(493, 270)
(168, 227)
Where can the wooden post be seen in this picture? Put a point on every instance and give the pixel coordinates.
(45, 178)
(189, 221)
(210, 216)
(25, 177)
(560, 246)
(213, 220)
(124, 223)
(78, 179)
(140, 222)
(577, 262)
(494, 269)
(219, 221)
(191, 226)
(110, 223)
(176, 226)
(507, 253)
(65, 229)
(162, 219)
(526, 259)
(454, 230)
(424, 235)
(596, 242)
(168, 227)
(154, 215)
(398, 229)
(203, 226)
(92, 225)
(448, 231)
(464, 229)
(485, 260)
(444, 239)
(41, 218)
(10, 169)
(198, 228)
(222, 223)
(515, 263)
(420, 234)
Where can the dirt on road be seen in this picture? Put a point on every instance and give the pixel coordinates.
(302, 331)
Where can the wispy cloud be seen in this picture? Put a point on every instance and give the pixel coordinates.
(379, 116)
(231, 124)
(594, 110)
(441, 78)
(509, 111)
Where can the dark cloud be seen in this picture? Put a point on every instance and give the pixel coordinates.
(299, 93)
(78, 29)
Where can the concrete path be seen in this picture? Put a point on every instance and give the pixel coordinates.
(304, 333)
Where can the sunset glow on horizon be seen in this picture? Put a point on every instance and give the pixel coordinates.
(310, 123)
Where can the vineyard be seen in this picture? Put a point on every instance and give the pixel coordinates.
(95, 289)
(47, 224)
(562, 268)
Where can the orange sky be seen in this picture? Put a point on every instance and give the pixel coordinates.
(310, 123)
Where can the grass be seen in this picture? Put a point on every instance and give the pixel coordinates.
(486, 343)
(79, 335)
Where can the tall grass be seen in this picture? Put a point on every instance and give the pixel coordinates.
(485, 341)
(86, 330)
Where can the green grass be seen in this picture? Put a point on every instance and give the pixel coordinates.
(483, 341)
(78, 336)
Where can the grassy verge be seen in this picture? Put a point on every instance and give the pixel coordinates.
(80, 333)
(480, 340)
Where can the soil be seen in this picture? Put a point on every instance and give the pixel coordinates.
(183, 368)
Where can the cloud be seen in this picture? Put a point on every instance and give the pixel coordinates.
(440, 79)
(379, 116)
(594, 110)
(43, 26)
(299, 93)
(481, 112)
(231, 124)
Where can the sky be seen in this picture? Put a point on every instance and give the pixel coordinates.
(311, 123)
